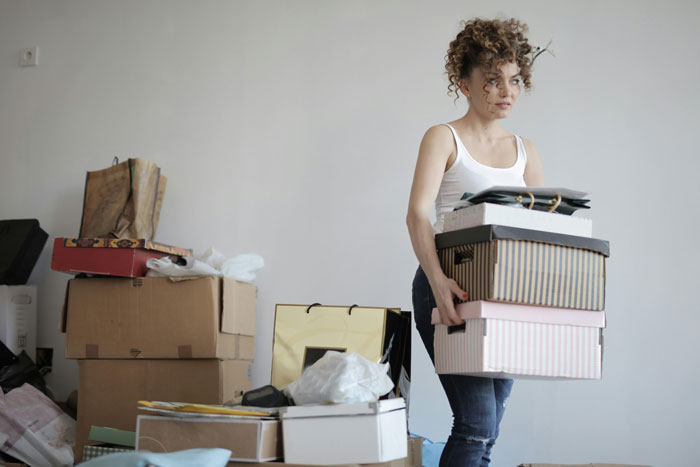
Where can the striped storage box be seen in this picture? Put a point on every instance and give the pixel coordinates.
(510, 264)
(501, 340)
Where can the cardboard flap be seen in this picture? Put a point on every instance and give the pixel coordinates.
(527, 313)
(238, 309)
(64, 311)
(487, 233)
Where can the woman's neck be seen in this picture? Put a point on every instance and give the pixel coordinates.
(481, 127)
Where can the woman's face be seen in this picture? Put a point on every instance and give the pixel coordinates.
(493, 92)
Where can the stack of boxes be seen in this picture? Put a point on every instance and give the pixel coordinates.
(536, 295)
(145, 338)
(155, 339)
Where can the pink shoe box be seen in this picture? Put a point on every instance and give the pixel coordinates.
(500, 340)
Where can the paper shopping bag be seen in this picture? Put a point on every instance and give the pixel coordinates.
(123, 201)
(303, 333)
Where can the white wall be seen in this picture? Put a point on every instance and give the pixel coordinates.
(290, 129)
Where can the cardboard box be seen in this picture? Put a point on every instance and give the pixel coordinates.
(362, 433)
(501, 340)
(496, 214)
(582, 465)
(514, 265)
(395, 463)
(108, 390)
(248, 438)
(109, 256)
(154, 317)
(18, 318)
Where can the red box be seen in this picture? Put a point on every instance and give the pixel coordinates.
(109, 256)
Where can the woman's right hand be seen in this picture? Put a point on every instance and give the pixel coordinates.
(445, 291)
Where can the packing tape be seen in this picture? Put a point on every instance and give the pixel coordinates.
(92, 351)
(184, 351)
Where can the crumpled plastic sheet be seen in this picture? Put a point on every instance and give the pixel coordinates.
(210, 263)
(341, 378)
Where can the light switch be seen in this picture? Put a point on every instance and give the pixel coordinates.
(29, 57)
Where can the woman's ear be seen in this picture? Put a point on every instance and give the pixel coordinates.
(464, 87)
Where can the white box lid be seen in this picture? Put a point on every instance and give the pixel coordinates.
(528, 313)
(334, 410)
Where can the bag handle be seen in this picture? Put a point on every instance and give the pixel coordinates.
(555, 202)
(308, 309)
(519, 199)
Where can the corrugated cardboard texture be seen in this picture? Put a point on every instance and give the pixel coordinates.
(248, 440)
(239, 296)
(108, 390)
(156, 318)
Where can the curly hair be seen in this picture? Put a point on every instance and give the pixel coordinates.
(485, 43)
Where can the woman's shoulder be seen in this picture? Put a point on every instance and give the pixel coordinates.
(529, 145)
(440, 135)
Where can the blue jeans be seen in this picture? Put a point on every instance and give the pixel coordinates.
(477, 403)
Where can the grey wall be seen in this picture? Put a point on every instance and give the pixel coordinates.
(290, 129)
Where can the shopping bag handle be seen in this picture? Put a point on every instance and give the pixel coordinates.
(308, 309)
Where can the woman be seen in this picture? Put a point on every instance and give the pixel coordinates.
(488, 63)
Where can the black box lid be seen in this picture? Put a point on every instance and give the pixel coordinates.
(486, 233)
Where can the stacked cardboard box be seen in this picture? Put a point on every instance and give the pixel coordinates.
(536, 295)
(156, 339)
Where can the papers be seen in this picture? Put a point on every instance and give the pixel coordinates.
(182, 409)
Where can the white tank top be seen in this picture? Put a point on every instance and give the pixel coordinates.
(466, 175)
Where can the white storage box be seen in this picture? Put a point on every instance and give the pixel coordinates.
(18, 318)
(489, 213)
(501, 340)
(360, 433)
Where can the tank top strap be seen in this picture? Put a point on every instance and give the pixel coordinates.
(521, 150)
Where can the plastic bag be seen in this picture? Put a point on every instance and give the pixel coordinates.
(34, 430)
(341, 378)
(209, 263)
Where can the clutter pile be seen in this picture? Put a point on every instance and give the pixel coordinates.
(144, 338)
(535, 282)
(33, 428)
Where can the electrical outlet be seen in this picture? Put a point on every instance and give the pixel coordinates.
(29, 57)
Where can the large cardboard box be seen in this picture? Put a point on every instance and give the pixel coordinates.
(509, 264)
(18, 318)
(248, 438)
(360, 433)
(151, 317)
(501, 340)
(109, 390)
(489, 213)
(109, 256)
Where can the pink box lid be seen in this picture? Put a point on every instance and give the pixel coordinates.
(529, 313)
